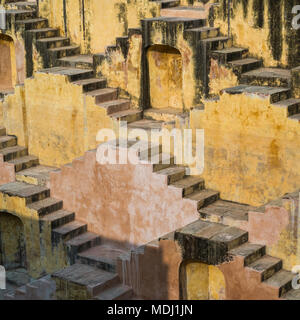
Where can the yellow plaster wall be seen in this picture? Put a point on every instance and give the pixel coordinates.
(62, 122)
(246, 35)
(251, 148)
(204, 282)
(13, 115)
(125, 72)
(119, 15)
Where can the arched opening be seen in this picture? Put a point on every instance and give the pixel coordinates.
(7, 63)
(12, 242)
(165, 77)
(199, 281)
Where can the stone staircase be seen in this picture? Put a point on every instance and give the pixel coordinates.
(268, 269)
(254, 79)
(41, 289)
(215, 243)
(101, 260)
(24, 167)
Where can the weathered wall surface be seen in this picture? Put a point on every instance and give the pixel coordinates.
(124, 203)
(202, 282)
(165, 77)
(122, 69)
(245, 284)
(12, 60)
(41, 257)
(53, 118)
(278, 228)
(85, 20)
(250, 148)
(13, 115)
(265, 27)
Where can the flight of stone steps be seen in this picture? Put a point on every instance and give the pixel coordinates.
(65, 229)
(268, 268)
(26, 167)
(95, 268)
(214, 243)
(61, 57)
(255, 79)
(13, 154)
(41, 289)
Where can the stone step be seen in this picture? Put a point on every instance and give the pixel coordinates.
(91, 84)
(189, 185)
(23, 190)
(168, 3)
(281, 280)
(91, 278)
(81, 243)
(272, 94)
(58, 218)
(184, 12)
(146, 124)
(21, 14)
(28, 24)
(250, 252)
(142, 149)
(25, 162)
(209, 242)
(115, 105)
(130, 115)
(72, 74)
(173, 174)
(165, 114)
(295, 117)
(7, 141)
(104, 95)
(266, 266)
(292, 295)
(117, 292)
(229, 54)
(102, 256)
(2, 131)
(272, 77)
(244, 65)
(84, 61)
(21, 4)
(217, 43)
(204, 197)
(44, 33)
(291, 105)
(54, 42)
(204, 32)
(38, 175)
(11, 153)
(159, 161)
(57, 53)
(46, 206)
(20, 293)
(68, 231)
(226, 212)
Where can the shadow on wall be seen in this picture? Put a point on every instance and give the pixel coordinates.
(12, 242)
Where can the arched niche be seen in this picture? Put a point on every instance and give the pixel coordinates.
(165, 77)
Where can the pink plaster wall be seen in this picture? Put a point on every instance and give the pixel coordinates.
(7, 172)
(125, 203)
